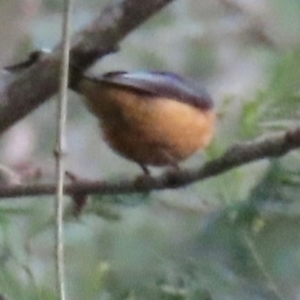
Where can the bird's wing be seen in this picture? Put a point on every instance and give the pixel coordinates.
(162, 84)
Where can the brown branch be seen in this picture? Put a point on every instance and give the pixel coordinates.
(36, 84)
(237, 155)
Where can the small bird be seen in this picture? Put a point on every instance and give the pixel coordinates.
(152, 118)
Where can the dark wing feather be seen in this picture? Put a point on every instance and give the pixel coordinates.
(162, 84)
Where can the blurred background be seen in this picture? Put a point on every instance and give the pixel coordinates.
(235, 236)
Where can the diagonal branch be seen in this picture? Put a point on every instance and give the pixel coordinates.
(240, 154)
(102, 36)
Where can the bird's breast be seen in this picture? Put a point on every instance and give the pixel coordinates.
(146, 129)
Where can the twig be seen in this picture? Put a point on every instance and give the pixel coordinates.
(254, 23)
(35, 85)
(261, 266)
(60, 151)
(275, 145)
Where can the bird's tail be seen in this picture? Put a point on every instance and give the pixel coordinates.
(75, 76)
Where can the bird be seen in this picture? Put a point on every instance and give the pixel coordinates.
(152, 118)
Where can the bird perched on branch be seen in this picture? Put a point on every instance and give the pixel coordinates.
(151, 118)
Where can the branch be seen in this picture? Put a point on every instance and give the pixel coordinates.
(240, 154)
(102, 36)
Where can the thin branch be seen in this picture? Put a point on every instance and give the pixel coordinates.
(35, 85)
(254, 23)
(60, 150)
(261, 266)
(237, 155)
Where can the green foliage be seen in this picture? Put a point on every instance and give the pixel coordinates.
(277, 106)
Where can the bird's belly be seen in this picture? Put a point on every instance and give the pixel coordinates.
(161, 133)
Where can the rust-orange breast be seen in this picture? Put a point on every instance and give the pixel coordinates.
(148, 130)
